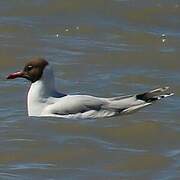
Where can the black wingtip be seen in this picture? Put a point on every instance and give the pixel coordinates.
(154, 95)
(147, 97)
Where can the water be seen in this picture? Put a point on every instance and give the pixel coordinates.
(102, 48)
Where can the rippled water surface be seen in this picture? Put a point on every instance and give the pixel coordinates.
(102, 48)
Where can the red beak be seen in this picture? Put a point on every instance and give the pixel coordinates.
(18, 74)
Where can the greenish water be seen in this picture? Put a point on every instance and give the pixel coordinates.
(103, 48)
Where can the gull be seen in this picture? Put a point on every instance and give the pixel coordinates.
(44, 100)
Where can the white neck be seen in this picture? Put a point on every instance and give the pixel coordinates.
(40, 91)
(45, 86)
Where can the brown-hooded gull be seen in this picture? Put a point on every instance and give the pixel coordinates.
(44, 100)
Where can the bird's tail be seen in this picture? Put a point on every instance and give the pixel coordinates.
(149, 98)
(155, 94)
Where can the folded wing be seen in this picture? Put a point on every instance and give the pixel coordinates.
(89, 106)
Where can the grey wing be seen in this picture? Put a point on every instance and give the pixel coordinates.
(73, 104)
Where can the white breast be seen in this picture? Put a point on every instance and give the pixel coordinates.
(40, 92)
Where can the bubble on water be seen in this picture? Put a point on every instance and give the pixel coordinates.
(57, 35)
(163, 40)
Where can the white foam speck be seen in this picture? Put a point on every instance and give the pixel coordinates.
(163, 40)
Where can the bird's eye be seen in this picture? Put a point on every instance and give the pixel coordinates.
(28, 68)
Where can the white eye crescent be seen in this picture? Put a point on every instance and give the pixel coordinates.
(28, 68)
